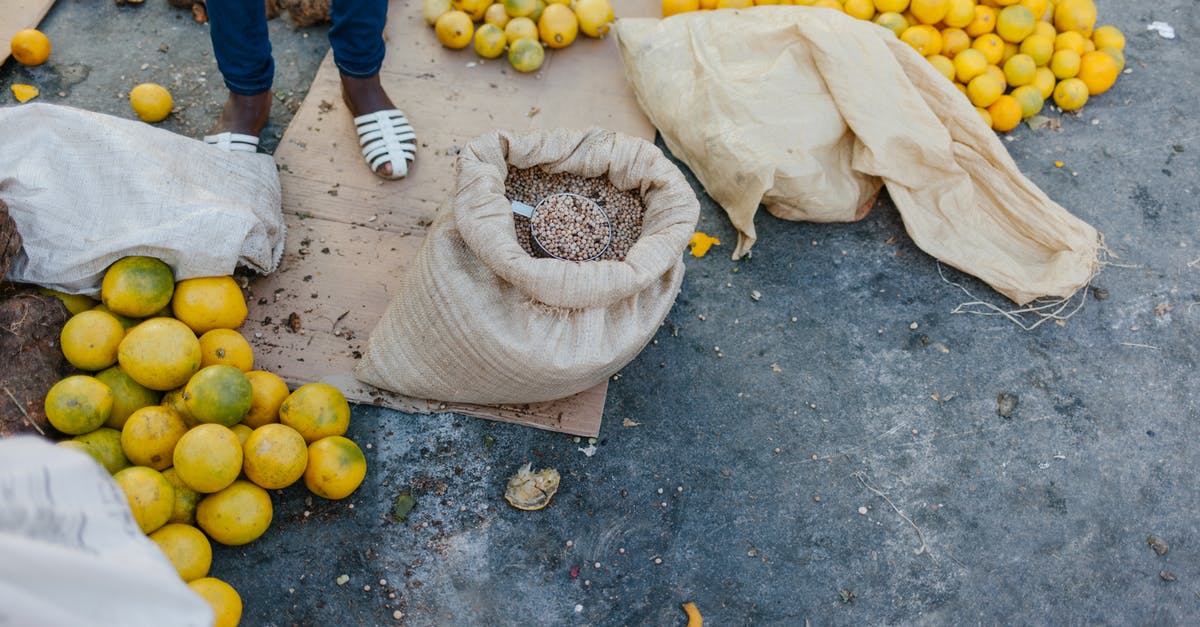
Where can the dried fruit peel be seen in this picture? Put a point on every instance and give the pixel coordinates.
(693, 615)
(701, 242)
(24, 93)
(530, 491)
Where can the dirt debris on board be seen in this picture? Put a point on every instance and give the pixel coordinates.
(1006, 404)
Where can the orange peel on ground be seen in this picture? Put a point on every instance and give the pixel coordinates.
(693, 614)
(701, 242)
(24, 93)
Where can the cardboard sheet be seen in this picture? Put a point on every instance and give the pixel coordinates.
(351, 233)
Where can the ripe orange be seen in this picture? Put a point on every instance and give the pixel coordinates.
(104, 444)
(151, 497)
(210, 303)
(219, 394)
(237, 515)
(275, 456)
(672, 7)
(269, 392)
(1006, 113)
(224, 600)
(208, 458)
(925, 39)
(187, 548)
(226, 346)
(89, 340)
(30, 47)
(137, 286)
(78, 404)
(1071, 94)
(1098, 71)
(336, 467)
(160, 353)
(150, 435)
(316, 410)
(128, 395)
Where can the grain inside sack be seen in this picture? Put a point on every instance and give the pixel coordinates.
(478, 319)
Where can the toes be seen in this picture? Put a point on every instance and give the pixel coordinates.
(385, 169)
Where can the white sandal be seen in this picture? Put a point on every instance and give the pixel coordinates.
(233, 142)
(387, 137)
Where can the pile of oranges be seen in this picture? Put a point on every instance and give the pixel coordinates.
(169, 403)
(1007, 56)
(522, 27)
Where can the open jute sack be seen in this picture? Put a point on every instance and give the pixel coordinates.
(808, 111)
(476, 319)
(86, 189)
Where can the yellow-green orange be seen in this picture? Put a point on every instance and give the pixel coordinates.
(75, 303)
(78, 404)
(1031, 100)
(104, 444)
(1015, 23)
(160, 353)
(151, 497)
(316, 410)
(187, 548)
(1070, 94)
(237, 515)
(222, 598)
(90, 339)
(275, 456)
(186, 499)
(128, 395)
(150, 435)
(137, 286)
(269, 392)
(336, 467)
(221, 394)
(208, 458)
(525, 54)
(209, 303)
(1109, 37)
(490, 41)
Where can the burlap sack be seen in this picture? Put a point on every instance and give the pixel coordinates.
(476, 319)
(86, 189)
(808, 110)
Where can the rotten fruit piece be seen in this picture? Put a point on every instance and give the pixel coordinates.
(530, 490)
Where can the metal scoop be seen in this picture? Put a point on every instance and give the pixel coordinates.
(527, 211)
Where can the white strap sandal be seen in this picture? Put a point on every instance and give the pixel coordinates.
(233, 142)
(387, 137)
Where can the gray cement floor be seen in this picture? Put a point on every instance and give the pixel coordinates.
(791, 477)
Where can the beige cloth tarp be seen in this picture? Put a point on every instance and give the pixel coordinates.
(808, 111)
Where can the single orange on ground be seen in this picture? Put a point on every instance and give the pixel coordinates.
(187, 548)
(336, 467)
(224, 600)
(30, 47)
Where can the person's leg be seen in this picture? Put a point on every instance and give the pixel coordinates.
(356, 37)
(242, 47)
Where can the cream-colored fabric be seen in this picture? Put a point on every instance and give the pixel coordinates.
(808, 111)
(86, 189)
(476, 319)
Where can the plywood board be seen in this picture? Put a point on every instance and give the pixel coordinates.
(17, 15)
(350, 233)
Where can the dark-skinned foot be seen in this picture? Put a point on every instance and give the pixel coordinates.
(365, 96)
(242, 120)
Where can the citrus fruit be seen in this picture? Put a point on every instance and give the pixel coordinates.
(998, 74)
(75, 303)
(127, 322)
(558, 26)
(929, 11)
(496, 16)
(104, 444)
(1045, 81)
(174, 400)
(489, 41)
(1116, 55)
(1044, 29)
(1006, 113)
(186, 499)
(82, 448)
(275, 456)
(984, 22)
(336, 467)
(224, 600)
(1039, 48)
(30, 47)
(208, 458)
(151, 102)
(89, 340)
(1015, 23)
(861, 9)
(150, 435)
(228, 347)
(137, 286)
(1064, 64)
(537, 11)
(519, 8)
(473, 8)
(891, 6)
(673, 7)
(1010, 51)
(268, 393)
(151, 497)
(954, 41)
(968, 64)
(960, 13)
(316, 410)
(525, 54)
(1031, 100)
(220, 394)
(520, 28)
(1037, 7)
(1019, 70)
(925, 39)
(1071, 94)
(1076, 15)
(78, 404)
(431, 10)
(984, 89)
(893, 22)
(1070, 40)
(160, 353)
(991, 46)
(211, 303)
(985, 116)
(187, 548)
(595, 17)
(243, 433)
(1108, 37)
(1098, 71)
(237, 515)
(944, 66)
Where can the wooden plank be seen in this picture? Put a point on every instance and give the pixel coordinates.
(350, 233)
(17, 15)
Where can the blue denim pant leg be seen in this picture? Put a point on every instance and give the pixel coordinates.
(241, 44)
(357, 36)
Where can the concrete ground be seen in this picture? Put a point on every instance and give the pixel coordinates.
(830, 454)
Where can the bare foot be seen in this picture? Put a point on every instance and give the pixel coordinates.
(366, 95)
(246, 115)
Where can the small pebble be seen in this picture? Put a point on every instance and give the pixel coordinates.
(817, 498)
(570, 543)
(658, 560)
(621, 551)
(596, 565)
(366, 588)
(397, 614)
(383, 582)
(862, 511)
(578, 609)
(391, 595)
(660, 490)
(913, 326)
(342, 579)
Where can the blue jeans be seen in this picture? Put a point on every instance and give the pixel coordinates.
(243, 50)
